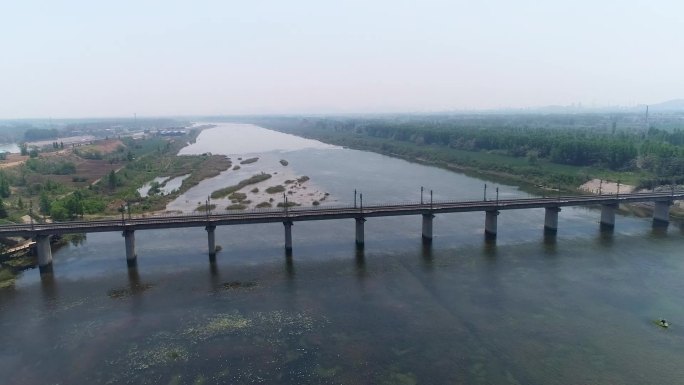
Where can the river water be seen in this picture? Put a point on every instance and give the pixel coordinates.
(577, 309)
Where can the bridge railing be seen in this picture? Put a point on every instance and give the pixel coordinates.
(323, 207)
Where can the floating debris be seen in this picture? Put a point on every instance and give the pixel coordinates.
(662, 323)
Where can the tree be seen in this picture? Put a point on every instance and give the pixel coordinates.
(111, 180)
(3, 210)
(74, 205)
(58, 212)
(4, 187)
(44, 203)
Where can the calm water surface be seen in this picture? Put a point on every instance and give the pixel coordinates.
(525, 310)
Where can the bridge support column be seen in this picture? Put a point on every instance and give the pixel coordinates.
(211, 237)
(490, 224)
(608, 215)
(427, 228)
(359, 232)
(661, 213)
(44, 254)
(551, 220)
(288, 236)
(131, 257)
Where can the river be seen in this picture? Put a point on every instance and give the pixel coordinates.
(574, 309)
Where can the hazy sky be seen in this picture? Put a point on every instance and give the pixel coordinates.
(115, 58)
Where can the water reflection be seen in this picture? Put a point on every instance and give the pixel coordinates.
(489, 250)
(360, 259)
(289, 265)
(48, 286)
(550, 243)
(659, 229)
(427, 256)
(606, 236)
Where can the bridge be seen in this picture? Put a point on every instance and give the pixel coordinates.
(41, 232)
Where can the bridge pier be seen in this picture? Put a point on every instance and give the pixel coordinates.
(608, 215)
(211, 238)
(427, 228)
(551, 220)
(490, 224)
(44, 254)
(131, 257)
(359, 232)
(288, 237)
(661, 213)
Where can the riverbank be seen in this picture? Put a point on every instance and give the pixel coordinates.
(532, 175)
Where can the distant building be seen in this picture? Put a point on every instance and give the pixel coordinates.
(171, 132)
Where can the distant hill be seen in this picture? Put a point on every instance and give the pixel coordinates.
(670, 105)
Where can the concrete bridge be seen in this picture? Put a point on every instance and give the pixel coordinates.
(41, 232)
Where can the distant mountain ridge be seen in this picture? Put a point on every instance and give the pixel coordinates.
(670, 105)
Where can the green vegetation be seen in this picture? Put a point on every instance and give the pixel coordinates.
(220, 193)
(250, 160)
(41, 184)
(275, 189)
(236, 206)
(50, 166)
(263, 205)
(237, 197)
(204, 207)
(284, 162)
(303, 179)
(289, 204)
(7, 278)
(545, 150)
(36, 134)
(255, 190)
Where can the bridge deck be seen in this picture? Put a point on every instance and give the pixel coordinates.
(323, 213)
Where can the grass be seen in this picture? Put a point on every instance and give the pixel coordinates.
(220, 193)
(263, 205)
(237, 196)
(250, 160)
(275, 189)
(203, 208)
(236, 206)
(289, 204)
